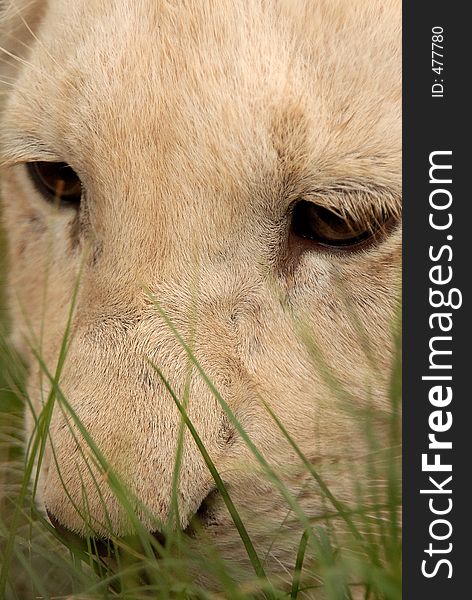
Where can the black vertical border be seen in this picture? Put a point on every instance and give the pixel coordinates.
(431, 124)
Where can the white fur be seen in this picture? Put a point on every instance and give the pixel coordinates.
(193, 126)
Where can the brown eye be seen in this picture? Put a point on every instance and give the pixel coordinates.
(56, 182)
(326, 228)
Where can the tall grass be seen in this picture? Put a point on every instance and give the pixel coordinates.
(37, 562)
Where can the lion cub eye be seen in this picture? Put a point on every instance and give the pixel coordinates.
(324, 227)
(57, 182)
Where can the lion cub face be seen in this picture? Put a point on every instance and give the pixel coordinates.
(233, 169)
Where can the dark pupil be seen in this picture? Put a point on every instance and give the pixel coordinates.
(322, 225)
(57, 181)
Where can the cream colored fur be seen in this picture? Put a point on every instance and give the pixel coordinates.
(194, 124)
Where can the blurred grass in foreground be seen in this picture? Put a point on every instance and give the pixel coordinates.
(35, 563)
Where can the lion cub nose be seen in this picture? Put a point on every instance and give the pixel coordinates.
(100, 547)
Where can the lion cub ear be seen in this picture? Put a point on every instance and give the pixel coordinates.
(19, 20)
